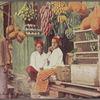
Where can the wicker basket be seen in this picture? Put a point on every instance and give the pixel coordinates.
(63, 73)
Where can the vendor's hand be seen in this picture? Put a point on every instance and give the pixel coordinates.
(41, 68)
(5, 68)
(50, 49)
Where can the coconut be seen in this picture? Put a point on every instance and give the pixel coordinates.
(9, 29)
(13, 35)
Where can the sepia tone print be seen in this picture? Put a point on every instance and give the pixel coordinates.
(50, 49)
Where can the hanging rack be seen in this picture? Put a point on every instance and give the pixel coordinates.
(3, 10)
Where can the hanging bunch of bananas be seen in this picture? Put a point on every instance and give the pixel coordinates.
(27, 13)
(59, 7)
(61, 18)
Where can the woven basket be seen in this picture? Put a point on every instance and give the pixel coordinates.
(63, 73)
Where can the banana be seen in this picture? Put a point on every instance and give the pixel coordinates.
(59, 6)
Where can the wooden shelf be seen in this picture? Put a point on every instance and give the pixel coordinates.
(31, 30)
(33, 35)
(86, 64)
(88, 41)
(86, 58)
(86, 52)
(83, 30)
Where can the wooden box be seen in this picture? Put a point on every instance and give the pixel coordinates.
(56, 94)
(85, 74)
(87, 69)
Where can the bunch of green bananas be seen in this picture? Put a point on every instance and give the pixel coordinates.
(94, 47)
(90, 36)
(27, 13)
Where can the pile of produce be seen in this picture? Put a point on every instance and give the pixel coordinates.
(77, 7)
(46, 20)
(14, 32)
(27, 13)
(93, 20)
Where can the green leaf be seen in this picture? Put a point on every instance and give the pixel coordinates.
(74, 50)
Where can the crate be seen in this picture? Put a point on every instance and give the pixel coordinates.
(56, 94)
(86, 74)
(87, 70)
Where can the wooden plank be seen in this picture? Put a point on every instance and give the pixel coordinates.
(26, 59)
(80, 90)
(99, 59)
(74, 84)
(31, 48)
(87, 58)
(89, 41)
(86, 52)
(83, 30)
(15, 43)
(70, 92)
(21, 45)
(1, 23)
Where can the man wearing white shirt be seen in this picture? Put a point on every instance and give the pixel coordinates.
(37, 62)
(55, 57)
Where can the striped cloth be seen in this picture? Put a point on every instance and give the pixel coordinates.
(43, 81)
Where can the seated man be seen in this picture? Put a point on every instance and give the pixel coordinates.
(38, 61)
(55, 56)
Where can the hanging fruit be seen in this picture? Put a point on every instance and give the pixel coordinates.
(27, 13)
(61, 18)
(46, 20)
(59, 7)
(94, 20)
(9, 29)
(20, 37)
(17, 33)
(78, 7)
(70, 6)
(84, 9)
(85, 23)
(13, 35)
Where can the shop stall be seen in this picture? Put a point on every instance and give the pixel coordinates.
(77, 23)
